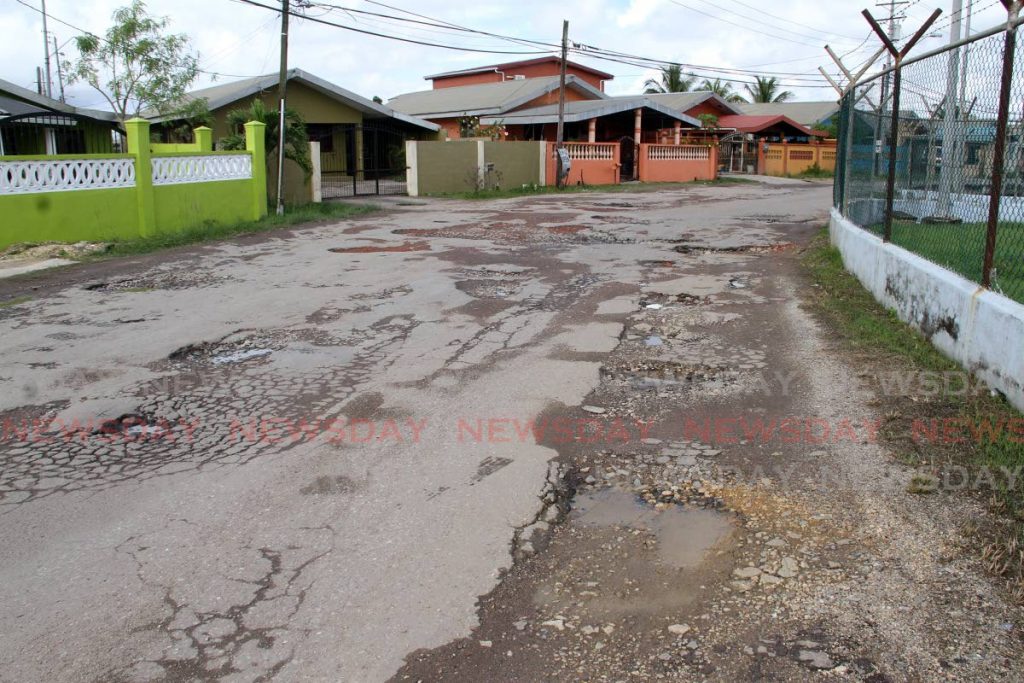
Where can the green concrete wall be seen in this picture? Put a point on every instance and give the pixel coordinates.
(446, 167)
(90, 215)
(515, 163)
(188, 205)
(107, 214)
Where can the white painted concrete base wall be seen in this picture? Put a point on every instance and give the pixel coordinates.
(981, 330)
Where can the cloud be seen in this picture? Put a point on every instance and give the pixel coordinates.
(240, 40)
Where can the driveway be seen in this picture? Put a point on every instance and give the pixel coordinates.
(306, 455)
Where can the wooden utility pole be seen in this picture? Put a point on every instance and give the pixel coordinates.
(560, 134)
(282, 87)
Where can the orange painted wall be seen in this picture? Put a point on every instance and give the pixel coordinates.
(588, 171)
(706, 108)
(677, 171)
(552, 98)
(530, 71)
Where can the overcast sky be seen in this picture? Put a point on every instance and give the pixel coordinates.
(235, 39)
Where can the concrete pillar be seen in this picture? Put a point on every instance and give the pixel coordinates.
(137, 135)
(676, 131)
(203, 138)
(638, 125)
(256, 142)
(592, 130)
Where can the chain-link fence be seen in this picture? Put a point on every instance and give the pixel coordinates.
(957, 195)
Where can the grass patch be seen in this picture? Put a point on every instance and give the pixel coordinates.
(530, 190)
(887, 347)
(308, 213)
(961, 248)
(14, 302)
(815, 171)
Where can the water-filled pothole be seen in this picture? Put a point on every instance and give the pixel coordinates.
(685, 535)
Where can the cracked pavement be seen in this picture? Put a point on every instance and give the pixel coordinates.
(302, 455)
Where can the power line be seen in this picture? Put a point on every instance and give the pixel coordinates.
(742, 26)
(319, 20)
(762, 11)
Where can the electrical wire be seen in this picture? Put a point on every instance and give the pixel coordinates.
(458, 48)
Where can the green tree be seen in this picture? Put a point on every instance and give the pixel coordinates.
(296, 140)
(721, 88)
(766, 89)
(136, 65)
(672, 80)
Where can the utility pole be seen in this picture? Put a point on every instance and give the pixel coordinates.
(46, 52)
(60, 71)
(282, 87)
(560, 133)
(893, 33)
(950, 146)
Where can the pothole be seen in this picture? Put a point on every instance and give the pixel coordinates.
(738, 249)
(223, 352)
(660, 299)
(132, 425)
(653, 374)
(685, 534)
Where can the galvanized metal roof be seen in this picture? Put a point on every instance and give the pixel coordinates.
(19, 100)
(486, 98)
(588, 109)
(218, 96)
(688, 100)
(804, 113)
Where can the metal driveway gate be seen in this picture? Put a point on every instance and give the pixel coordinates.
(363, 160)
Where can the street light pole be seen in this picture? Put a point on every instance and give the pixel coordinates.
(282, 87)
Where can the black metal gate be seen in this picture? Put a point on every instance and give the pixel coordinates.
(362, 160)
(627, 159)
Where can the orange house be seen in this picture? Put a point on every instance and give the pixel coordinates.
(517, 71)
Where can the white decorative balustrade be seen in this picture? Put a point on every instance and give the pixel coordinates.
(172, 170)
(678, 153)
(61, 175)
(591, 151)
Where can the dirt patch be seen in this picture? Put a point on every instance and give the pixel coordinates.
(391, 248)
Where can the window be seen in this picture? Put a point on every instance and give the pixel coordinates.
(322, 133)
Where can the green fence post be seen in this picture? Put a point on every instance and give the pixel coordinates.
(203, 138)
(137, 135)
(256, 143)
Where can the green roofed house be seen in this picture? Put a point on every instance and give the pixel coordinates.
(33, 124)
(362, 143)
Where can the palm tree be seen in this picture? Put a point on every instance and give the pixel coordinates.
(672, 80)
(296, 141)
(766, 89)
(721, 88)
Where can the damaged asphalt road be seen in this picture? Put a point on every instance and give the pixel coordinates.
(525, 439)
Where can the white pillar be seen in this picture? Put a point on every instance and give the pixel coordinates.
(676, 132)
(592, 131)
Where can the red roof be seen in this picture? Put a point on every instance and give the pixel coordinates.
(756, 124)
